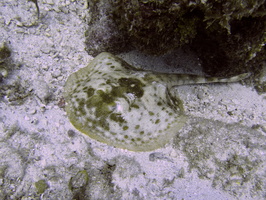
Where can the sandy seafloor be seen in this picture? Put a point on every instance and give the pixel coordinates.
(219, 153)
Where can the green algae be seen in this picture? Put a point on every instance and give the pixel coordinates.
(41, 186)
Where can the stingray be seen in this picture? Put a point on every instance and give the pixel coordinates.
(125, 107)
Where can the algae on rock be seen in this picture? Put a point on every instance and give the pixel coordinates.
(227, 35)
(41, 186)
(238, 167)
(5, 54)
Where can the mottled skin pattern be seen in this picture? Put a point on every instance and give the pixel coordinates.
(125, 107)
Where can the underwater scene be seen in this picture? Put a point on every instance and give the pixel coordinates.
(132, 100)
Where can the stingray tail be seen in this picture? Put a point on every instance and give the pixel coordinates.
(193, 79)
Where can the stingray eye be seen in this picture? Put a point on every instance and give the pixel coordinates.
(121, 105)
(132, 85)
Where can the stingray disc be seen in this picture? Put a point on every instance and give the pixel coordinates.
(117, 104)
